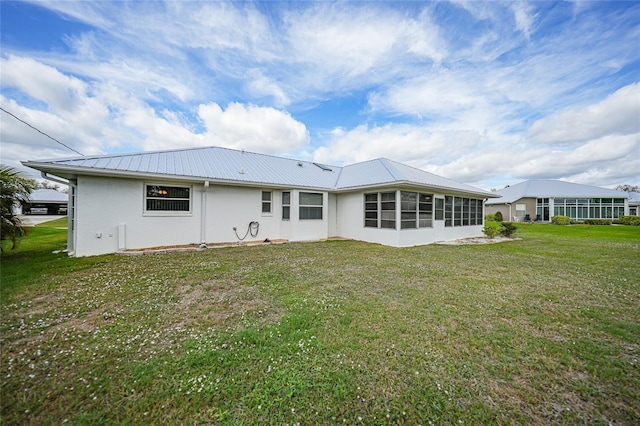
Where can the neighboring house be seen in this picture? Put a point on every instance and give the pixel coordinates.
(216, 195)
(540, 200)
(634, 203)
(46, 201)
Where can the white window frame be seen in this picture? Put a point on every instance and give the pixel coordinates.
(146, 212)
(268, 203)
(314, 206)
(286, 206)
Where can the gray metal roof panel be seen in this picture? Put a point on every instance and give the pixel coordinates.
(384, 171)
(634, 197)
(223, 164)
(212, 163)
(48, 195)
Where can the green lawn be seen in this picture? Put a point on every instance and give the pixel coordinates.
(541, 330)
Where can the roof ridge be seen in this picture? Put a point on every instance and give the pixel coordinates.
(386, 164)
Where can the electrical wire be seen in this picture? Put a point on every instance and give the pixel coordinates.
(38, 130)
(253, 229)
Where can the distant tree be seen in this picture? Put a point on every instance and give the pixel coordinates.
(46, 185)
(14, 189)
(628, 188)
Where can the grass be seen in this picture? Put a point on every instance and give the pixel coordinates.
(537, 331)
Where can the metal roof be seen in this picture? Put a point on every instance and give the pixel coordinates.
(48, 196)
(383, 171)
(634, 197)
(552, 189)
(245, 168)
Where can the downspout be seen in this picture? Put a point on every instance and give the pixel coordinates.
(203, 214)
(71, 218)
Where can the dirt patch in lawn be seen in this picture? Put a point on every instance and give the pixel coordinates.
(213, 302)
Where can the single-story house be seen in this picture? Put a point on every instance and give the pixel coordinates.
(539, 200)
(216, 195)
(634, 203)
(46, 201)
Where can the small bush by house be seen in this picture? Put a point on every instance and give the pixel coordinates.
(628, 220)
(491, 217)
(560, 220)
(508, 229)
(492, 229)
(498, 217)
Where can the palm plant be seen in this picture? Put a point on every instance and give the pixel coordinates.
(14, 189)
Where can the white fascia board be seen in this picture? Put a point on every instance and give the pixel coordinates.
(416, 187)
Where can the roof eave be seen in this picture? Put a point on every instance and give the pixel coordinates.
(416, 185)
(72, 172)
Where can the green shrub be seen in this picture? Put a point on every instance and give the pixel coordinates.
(597, 222)
(492, 229)
(491, 217)
(508, 229)
(561, 220)
(628, 220)
(498, 217)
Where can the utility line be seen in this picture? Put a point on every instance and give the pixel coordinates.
(38, 130)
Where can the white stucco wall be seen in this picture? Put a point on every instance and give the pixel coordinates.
(229, 207)
(110, 215)
(104, 204)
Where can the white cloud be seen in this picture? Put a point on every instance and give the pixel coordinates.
(524, 17)
(68, 96)
(94, 118)
(262, 129)
(618, 114)
(442, 93)
(261, 85)
(406, 143)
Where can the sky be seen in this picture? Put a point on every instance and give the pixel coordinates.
(483, 92)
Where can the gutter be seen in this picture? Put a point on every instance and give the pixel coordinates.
(54, 179)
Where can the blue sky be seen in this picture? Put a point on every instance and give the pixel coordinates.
(487, 93)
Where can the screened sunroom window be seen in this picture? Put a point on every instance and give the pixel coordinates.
(380, 210)
(164, 198)
(439, 208)
(408, 212)
(371, 210)
(448, 210)
(310, 205)
(416, 210)
(457, 211)
(388, 210)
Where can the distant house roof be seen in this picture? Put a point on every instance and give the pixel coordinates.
(48, 196)
(552, 189)
(246, 168)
